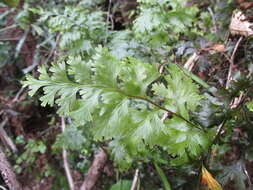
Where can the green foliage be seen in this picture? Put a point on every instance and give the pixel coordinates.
(80, 28)
(236, 173)
(11, 3)
(179, 86)
(211, 112)
(71, 139)
(32, 149)
(116, 97)
(156, 20)
(122, 185)
(122, 44)
(24, 17)
(4, 52)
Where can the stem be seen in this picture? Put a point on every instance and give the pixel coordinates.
(216, 138)
(171, 113)
(108, 18)
(221, 126)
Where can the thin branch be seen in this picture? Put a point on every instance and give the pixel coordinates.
(35, 57)
(95, 170)
(135, 180)
(65, 160)
(191, 61)
(9, 39)
(219, 131)
(108, 18)
(8, 28)
(7, 173)
(248, 176)
(236, 101)
(236, 47)
(18, 95)
(229, 78)
(21, 42)
(2, 188)
(5, 138)
(53, 50)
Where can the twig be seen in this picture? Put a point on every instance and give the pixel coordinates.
(65, 160)
(8, 27)
(95, 170)
(248, 176)
(236, 101)
(21, 43)
(109, 11)
(229, 78)
(17, 95)
(134, 184)
(2, 187)
(7, 173)
(5, 138)
(108, 18)
(9, 39)
(55, 45)
(219, 131)
(35, 57)
(191, 61)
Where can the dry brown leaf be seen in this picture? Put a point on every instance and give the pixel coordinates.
(208, 180)
(239, 25)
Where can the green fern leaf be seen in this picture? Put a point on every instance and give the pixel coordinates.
(115, 96)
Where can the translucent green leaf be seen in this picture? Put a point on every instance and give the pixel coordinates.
(181, 95)
(107, 69)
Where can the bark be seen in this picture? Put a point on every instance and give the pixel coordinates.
(7, 173)
(95, 170)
